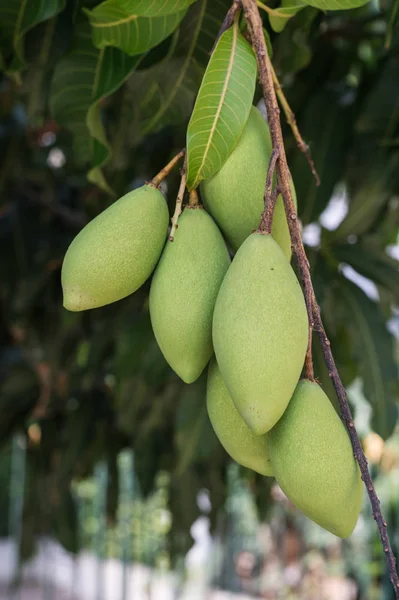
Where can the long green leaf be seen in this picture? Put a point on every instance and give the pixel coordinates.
(327, 126)
(147, 8)
(335, 318)
(280, 16)
(17, 17)
(116, 26)
(374, 348)
(222, 106)
(81, 80)
(372, 172)
(372, 262)
(164, 94)
(369, 198)
(391, 24)
(336, 4)
(293, 46)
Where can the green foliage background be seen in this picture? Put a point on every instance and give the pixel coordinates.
(94, 102)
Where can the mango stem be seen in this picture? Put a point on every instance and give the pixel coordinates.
(166, 170)
(193, 198)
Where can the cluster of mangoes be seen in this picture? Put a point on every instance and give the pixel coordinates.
(247, 318)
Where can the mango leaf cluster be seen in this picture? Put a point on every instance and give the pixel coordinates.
(95, 98)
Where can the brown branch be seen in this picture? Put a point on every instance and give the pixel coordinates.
(179, 200)
(283, 178)
(309, 371)
(166, 170)
(227, 22)
(294, 127)
(266, 219)
(267, 215)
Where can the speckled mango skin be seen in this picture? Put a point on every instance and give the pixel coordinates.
(184, 290)
(117, 251)
(234, 196)
(260, 331)
(239, 441)
(313, 461)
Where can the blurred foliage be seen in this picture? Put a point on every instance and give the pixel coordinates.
(82, 116)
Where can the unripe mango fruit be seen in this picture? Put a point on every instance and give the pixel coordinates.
(184, 290)
(260, 331)
(243, 445)
(235, 194)
(313, 461)
(117, 251)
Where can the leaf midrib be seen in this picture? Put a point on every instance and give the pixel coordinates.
(115, 23)
(221, 102)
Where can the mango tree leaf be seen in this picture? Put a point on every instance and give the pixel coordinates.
(379, 116)
(222, 106)
(374, 348)
(116, 26)
(326, 125)
(391, 24)
(17, 17)
(213, 17)
(335, 320)
(81, 80)
(115, 67)
(372, 262)
(292, 48)
(369, 198)
(336, 4)
(372, 172)
(164, 94)
(147, 8)
(279, 16)
(45, 46)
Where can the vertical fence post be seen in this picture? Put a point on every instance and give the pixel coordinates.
(100, 499)
(16, 506)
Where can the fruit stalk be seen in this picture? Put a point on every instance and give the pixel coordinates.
(193, 200)
(254, 22)
(166, 170)
(179, 200)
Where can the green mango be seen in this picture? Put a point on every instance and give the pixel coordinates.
(260, 331)
(184, 290)
(117, 251)
(235, 194)
(243, 445)
(313, 461)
